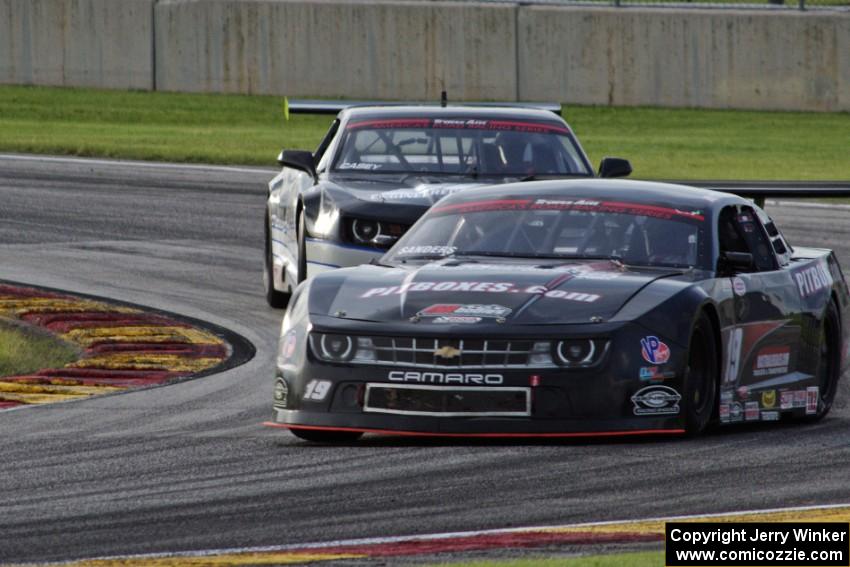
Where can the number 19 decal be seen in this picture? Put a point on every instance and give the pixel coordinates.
(317, 390)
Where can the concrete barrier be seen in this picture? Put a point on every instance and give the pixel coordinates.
(92, 43)
(398, 50)
(411, 50)
(701, 58)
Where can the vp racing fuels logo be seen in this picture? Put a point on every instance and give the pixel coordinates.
(654, 351)
(656, 400)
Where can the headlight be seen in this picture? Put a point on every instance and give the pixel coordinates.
(342, 348)
(338, 348)
(365, 230)
(374, 233)
(576, 352)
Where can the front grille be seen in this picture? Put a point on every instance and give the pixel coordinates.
(452, 353)
(447, 401)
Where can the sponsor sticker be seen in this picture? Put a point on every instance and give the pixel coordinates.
(656, 400)
(768, 399)
(456, 320)
(653, 350)
(799, 398)
(739, 286)
(812, 399)
(726, 396)
(770, 416)
(743, 393)
(813, 279)
(751, 411)
(772, 360)
(786, 399)
(654, 374)
(479, 287)
(288, 345)
(724, 413)
(457, 309)
(736, 412)
(427, 250)
(421, 192)
(358, 166)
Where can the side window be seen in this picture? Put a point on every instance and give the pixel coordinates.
(731, 239)
(326, 141)
(780, 246)
(739, 230)
(756, 238)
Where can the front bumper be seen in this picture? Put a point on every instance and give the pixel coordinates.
(561, 402)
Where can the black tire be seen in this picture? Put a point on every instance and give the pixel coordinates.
(275, 298)
(700, 391)
(302, 248)
(324, 436)
(829, 367)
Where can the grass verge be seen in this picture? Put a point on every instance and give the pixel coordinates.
(241, 129)
(23, 351)
(637, 559)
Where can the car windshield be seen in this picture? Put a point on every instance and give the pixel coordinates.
(508, 148)
(558, 228)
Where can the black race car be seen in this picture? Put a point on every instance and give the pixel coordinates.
(567, 308)
(380, 167)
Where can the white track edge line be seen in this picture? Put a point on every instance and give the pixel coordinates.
(318, 546)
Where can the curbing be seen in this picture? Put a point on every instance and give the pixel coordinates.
(125, 346)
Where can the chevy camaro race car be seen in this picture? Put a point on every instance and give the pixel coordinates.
(380, 167)
(567, 308)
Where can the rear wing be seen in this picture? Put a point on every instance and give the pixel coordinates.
(305, 106)
(760, 191)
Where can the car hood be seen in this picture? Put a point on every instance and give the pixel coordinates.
(465, 292)
(412, 190)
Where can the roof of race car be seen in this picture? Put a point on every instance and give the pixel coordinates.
(640, 192)
(452, 111)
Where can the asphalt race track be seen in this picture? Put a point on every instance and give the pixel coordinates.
(190, 467)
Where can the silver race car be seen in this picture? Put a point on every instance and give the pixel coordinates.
(380, 167)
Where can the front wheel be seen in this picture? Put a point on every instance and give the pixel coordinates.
(829, 366)
(326, 436)
(700, 393)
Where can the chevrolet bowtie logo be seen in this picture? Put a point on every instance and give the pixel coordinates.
(447, 352)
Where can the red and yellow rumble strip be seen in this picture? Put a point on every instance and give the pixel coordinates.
(651, 530)
(122, 347)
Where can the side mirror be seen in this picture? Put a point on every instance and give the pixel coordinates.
(614, 167)
(736, 262)
(298, 159)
